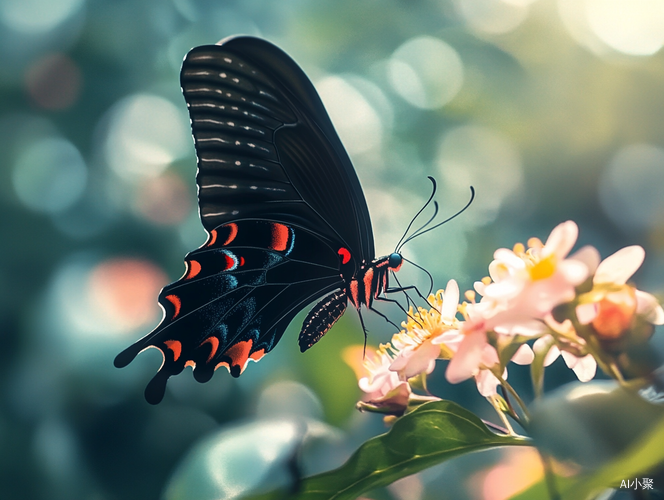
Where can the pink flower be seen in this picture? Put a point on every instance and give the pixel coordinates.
(415, 347)
(380, 380)
(528, 284)
(472, 355)
(384, 392)
(612, 305)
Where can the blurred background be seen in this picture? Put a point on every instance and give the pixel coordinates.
(552, 109)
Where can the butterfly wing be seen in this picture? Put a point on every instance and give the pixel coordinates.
(238, 295)
(279, 199)
(266, 146)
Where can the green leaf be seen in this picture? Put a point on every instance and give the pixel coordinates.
(646, 454)
(430, 435)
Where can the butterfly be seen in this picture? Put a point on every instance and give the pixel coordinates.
(286, 218)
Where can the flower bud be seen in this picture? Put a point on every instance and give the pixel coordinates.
(615, 313)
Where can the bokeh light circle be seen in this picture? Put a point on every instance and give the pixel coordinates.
(634, 27)
(49, 175)
(630, 189)
(492, 16)
(105, 299)
(426, 72)
(54, 81)
(146, 133)
(37, 16)
(631, 27)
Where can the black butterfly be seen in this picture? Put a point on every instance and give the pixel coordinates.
(284, 209)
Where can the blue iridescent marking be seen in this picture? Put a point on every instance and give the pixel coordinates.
(292, 243)
(272, 259)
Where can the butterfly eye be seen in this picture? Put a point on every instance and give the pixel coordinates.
(394, 261)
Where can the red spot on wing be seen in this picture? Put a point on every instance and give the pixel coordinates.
(355, 293)
(344, 254)
(279, 237)
(175, 300)
(241, 261)
(175, 346)
(191, 363)
(368, 281)
(239, 353)
(233, 233)
(231, 262)
(194, 268)
(256, 356)
(214, 342)
(212, 239)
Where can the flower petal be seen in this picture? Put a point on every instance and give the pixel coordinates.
(584, 368)
(450, 301)
(479, 287)
(649, 308)
(486, 383)
(574, 271)
(561, 240)
(466, 361)
(508, 258)
(585, 313)
(415, 360)
(524, 355)
(503, 289)
(589, 255)
(620, 266)
(451, 338)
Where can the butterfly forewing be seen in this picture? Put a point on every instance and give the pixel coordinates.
(260, 127)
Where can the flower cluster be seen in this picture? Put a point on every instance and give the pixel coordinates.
(538, 303)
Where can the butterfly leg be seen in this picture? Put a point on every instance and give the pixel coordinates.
(364, 329)
(371, 308)
(405, 289)
(403, 309)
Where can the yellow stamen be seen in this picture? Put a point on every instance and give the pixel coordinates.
(535, 243)
(486, 280)
(543, 269)
(519, 248)
(470, 295)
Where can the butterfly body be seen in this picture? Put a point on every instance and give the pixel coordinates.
(286, 218)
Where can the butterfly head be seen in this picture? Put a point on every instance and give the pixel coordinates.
(394, 261)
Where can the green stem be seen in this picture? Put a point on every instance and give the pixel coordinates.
(549, 476)
(502, 416)
(515, 395)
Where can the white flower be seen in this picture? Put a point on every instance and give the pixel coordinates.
(528, 284)
(416, 351)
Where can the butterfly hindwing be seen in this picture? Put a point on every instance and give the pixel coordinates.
(239, 293)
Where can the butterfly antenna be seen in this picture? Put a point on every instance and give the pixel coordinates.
(427, 273)
(433, 192)
(421, 232)
(435, 213)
